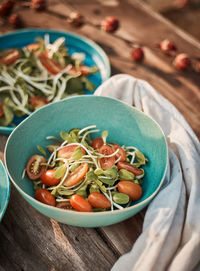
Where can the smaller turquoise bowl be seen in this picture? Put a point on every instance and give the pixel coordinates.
(94, 54)
(4, 190)
(126, 125)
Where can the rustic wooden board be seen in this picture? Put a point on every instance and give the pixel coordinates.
(30, 241)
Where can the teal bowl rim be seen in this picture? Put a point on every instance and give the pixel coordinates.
(140, 204)
(7, 192)
(8, 130)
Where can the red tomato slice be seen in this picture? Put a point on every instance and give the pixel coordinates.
(33, 46)
(76, 176)
(48, 178)
(80, 204)
(1, 110)
(34, 169)
(124, 165)
(46, 53)
(10, 57)
(38, 101)
(97, 143)
(84, 70)
(45, 197)
(67, 152)
(98, 200)
(106, 162)
(121, 153)
(50, 64)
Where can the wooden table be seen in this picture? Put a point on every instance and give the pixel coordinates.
(31, 241)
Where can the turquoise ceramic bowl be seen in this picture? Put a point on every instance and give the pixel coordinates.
(4, 190)
(94, 54)
(126, 125)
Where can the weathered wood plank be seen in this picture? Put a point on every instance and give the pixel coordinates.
(30, 241)
(123, 235)
(141, 25)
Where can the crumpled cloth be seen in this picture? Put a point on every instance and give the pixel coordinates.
(170, 238)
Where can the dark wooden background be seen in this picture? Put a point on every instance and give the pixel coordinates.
(31, 241)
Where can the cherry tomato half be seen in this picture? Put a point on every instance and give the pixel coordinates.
(121, 153)
(125, 165)
(98, 200)
(48, 178)
(50, 64)
(10, 57)
(106, 162)
(84, 70)
(97, 143)
(34, 168)
(1, 110)
(33, 46)
(38, 101)
(76, 176)
(45, 197)
(67, 151)
(133, 190)
(80, 204)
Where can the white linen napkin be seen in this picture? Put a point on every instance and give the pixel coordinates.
(170, 239)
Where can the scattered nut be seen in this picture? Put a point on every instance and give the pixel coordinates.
(182, 62)
(137, 54)
(38, 5)
(76, 19)
(6, 7)
(167, 46)
(110, 24)
(15, 20)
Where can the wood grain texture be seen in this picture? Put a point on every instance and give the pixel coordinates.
(30, 241)
(142, 25)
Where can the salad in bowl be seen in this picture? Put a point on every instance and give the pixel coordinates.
(85, 174)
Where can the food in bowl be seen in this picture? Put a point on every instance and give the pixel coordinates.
(38, 74)
(86, 175)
